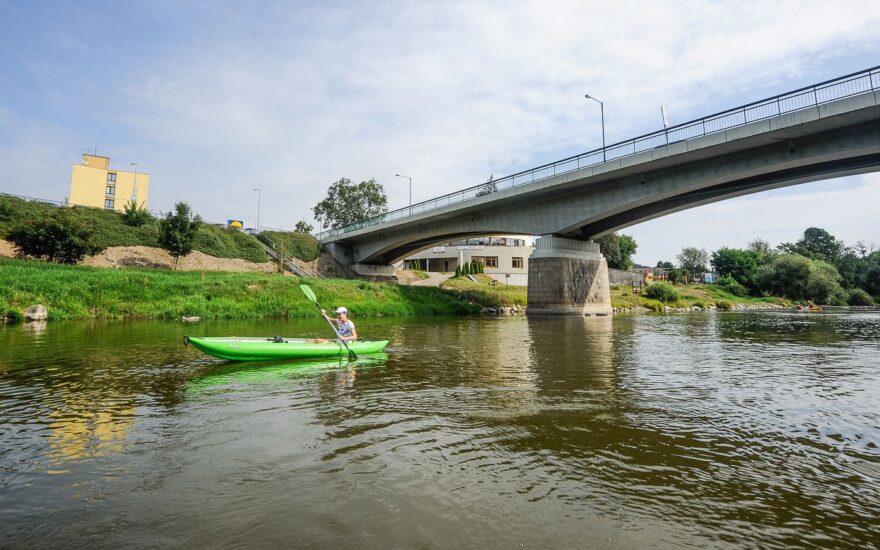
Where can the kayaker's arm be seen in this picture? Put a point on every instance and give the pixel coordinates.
(354, 336)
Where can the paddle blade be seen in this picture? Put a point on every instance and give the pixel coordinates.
(310, 294)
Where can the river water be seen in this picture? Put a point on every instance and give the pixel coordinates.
(686, 430)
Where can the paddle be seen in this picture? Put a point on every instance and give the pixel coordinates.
(310, 294)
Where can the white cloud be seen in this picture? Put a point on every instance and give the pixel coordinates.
(290, 97)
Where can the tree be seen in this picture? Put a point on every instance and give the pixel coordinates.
(59, 238)
(349, 203)
(741, 265)
(135, 215)
(665, 265)
(303, 227)
(177, 232)
(618, 250)
(816, 243)
(799, 278)
(762, 250)
(693, 260)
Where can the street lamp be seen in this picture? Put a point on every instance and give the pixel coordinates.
(410, 190)
(134, 189)
(259, 199)
(602, 110)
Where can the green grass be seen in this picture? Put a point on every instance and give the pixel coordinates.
(110, 230)
(486, 293)
(299, 245)
(689, 295)
(78, 292)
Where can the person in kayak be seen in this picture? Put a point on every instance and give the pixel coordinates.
(344, 326)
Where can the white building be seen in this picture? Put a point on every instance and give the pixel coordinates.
(504, 258)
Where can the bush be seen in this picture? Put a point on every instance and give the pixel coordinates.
(457, 272)
(59, 238)
(135, 215)
(723, 305)
(731, 285)
(799, 278)
(858, 297)
(663, 292)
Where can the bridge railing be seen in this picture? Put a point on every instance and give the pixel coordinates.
(797, 100)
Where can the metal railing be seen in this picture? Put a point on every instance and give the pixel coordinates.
(804, 98)
(273, 249)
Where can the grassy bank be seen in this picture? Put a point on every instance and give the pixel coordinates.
(76, 292)
(621, 295)
(110, 230)
(299, 245)
(484, 292)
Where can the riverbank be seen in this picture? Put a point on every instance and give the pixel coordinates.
(623, 299)
(80, 292)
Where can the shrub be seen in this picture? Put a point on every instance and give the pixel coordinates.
(457, 272)
(177, 232)
(663, 292)
(731, 285)
(723, 305)
(799, 278)
(5, 211)
(59, 238)
(135, 215)
(858, 297)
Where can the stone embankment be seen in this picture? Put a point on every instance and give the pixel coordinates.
(504, 310)
(733, 307)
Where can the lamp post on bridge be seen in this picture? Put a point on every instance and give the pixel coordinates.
(602, 111)
(259, 200)
(410, 190)
(134, 188)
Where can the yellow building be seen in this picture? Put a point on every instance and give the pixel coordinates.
(94, 183)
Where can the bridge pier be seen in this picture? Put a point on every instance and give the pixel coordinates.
(568, 277)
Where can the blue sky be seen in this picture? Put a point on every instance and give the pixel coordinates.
(216, 98)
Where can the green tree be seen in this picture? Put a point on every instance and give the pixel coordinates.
(59, 238)
(303, 227)
(177, 231)
(870, 280)
(665, 265)
(799, 278)
(135, 215)
(618, 250)
(741, 265)
(693, 260)
(762, 250)
(349, 203)
(457, 272)
(816, 243)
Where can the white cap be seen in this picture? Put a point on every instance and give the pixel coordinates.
(341, 309)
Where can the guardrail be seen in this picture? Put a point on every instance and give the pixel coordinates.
(797, 100)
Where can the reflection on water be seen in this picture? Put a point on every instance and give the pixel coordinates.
(667, 430)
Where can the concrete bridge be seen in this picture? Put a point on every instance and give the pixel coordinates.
(827, 130)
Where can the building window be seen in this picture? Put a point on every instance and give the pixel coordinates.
(487, 261)
(108, 203)
(517, 263)
(111, 190)
(111, 178)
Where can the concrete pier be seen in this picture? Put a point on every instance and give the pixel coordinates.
(568, 277)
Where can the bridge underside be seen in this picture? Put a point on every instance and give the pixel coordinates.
(832, 141)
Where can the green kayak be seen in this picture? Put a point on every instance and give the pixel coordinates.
(235, 348)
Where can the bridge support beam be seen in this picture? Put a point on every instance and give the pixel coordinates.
(568, 277)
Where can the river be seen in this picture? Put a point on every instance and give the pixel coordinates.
(682, 430)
